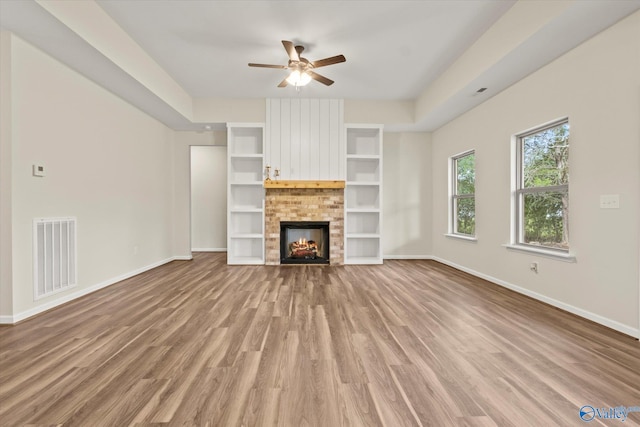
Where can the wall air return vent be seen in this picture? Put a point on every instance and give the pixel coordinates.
(54, 255)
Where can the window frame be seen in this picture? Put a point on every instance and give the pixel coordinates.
(454, 196)
(520, 191)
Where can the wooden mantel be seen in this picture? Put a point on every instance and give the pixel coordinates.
(303, 184)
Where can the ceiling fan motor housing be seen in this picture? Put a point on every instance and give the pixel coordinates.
(303, 65)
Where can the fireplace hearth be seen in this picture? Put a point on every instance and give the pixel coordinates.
(304, 242)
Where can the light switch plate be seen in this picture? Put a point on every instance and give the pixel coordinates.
(610, 201)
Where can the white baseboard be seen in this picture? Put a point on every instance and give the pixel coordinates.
(620, 327)
(208, 249)
(407, 257)
(182, 258)
(10, 320)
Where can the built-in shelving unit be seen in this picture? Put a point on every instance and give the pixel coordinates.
(363, 194)
(245, 192)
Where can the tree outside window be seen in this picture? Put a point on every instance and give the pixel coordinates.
(543, 187)
(463, 195)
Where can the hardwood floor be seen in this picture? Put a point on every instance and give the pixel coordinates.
(407, 343)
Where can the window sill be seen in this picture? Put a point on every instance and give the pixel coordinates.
(462, 237)
(560, 256)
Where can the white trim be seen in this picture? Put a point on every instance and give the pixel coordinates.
(178, 258)
(547, 253)
(6, 320)
(208, 249)
(620, 327)
(542, 127)
(517, 180)
(452, 188)
(9, 320)
(462, 237)
(427, 257)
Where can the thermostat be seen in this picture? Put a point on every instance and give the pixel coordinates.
(38, 170)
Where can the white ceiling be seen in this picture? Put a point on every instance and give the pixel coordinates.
(395, 50)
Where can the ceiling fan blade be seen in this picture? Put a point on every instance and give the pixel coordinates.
(267, 65)
(291, 50)
(328, 61)
(321, 79)
(284, 83)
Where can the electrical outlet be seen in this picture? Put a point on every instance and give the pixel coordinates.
(533, 267)
(610, 201)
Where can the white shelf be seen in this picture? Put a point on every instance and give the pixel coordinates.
(245, 169)
(246, 139)
(243, 224)
(245, 197)
(247, 210)
(245, 260)
(363, 236)
(364, 140)
(246, 156)
(363, 194)
(245, 193)
(247, 236)
(363, 247)
(362, 223)
(359, 170)
(363, 156)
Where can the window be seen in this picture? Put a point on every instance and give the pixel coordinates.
(463, 200)
(542, 187)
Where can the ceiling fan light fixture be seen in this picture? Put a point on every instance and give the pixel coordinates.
(298, 78)
(302, 70)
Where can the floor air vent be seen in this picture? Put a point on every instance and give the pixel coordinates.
(54, 255)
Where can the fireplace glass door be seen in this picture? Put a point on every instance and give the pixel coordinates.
(304, 242)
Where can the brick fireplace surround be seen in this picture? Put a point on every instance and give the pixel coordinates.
(304, 204)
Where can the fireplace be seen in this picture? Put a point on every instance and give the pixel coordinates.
(304, 242)
(317, 203)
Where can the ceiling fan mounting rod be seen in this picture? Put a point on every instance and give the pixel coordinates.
(300, 65)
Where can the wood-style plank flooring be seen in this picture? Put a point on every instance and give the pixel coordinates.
(407, 343)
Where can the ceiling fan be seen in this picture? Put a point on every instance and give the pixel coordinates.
(301, 68)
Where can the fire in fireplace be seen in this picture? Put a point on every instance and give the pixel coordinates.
(304, 242)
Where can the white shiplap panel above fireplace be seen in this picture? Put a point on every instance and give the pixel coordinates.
(304, 138)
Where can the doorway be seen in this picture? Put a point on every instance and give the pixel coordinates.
(208, 198)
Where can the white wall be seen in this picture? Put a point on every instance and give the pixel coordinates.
(407, 206)
(208, 198)
(304, 138)
(106, 163)
(6, 291)
(597, 86)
